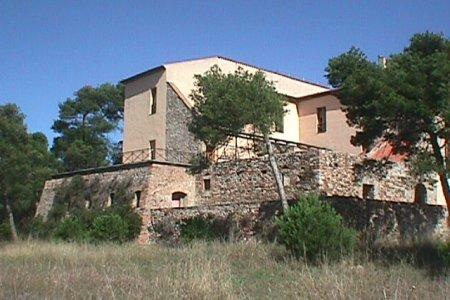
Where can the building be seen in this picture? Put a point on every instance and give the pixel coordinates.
(157, 105)
(316, 156)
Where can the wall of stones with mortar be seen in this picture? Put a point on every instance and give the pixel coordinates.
(107, 181)
(181, 144)
(250, 180)
(344, 174)
(309, 170)
(379, 221)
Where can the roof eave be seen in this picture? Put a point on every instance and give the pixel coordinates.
(142, 74)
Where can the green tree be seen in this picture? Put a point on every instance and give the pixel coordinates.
(25, 164)
(224, 104)
(84, 124)
(405, 102)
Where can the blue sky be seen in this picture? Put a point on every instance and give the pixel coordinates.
(49, 49)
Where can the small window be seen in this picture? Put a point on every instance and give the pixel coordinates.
(153, 102)
(368, 191)
(152, 154)
(177, 198)
(321, 119)
(420, 193)
(207, 184)
(137, 199)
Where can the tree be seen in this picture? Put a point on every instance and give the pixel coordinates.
(84, 124)
(225, 104)
(25, 164)
(405, 102)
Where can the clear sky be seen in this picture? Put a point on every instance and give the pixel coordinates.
(49, 49)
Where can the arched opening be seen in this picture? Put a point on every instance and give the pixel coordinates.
(177, 198)
(420, 193)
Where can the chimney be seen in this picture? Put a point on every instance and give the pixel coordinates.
(382, 61)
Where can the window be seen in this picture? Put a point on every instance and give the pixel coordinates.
(137, 199)
(420, 193)
(153, 102)
(368, 191)
(177, 198)
(207, 184)
(321, 119)
(279, 126)
(152, 148)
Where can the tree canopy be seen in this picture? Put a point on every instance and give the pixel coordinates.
(84, 124)
(25, 164)
(226, 104)
(405, 102)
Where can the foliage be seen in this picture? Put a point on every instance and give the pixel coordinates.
(313, 229)
(72, 230)
(444, 252)
(109, 228)
(198, 228)
(198, 163)
(25, 164)
(225, 103)
(5, 231)
(84, 123)
(406, 102)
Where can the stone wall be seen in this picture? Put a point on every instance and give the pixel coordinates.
(181, 144)
(309, 169)
(377, 220)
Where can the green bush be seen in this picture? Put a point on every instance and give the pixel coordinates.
(197, 228)
(72, 230)
(110, 228)
(41, 230)
(5, 231)
(444, 252)
(312, 229)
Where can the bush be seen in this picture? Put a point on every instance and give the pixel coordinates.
(5, 231)
(197, 228)
(40, 229)
(313, 229)
(72, 230)
(444, 253)
(110, 228)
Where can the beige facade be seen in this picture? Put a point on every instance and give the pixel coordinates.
(337, 134)
(299, 121)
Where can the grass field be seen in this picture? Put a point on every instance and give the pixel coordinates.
(201, 271)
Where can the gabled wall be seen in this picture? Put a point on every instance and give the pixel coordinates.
(139, 125)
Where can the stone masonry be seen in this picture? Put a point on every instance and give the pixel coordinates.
(248, 183)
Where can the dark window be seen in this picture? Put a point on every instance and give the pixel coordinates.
(152, 149)
(153, 103)
(207, 184)
(368, 191)
(137, 198)
(177, 197)
(420, 193)
(321, 119)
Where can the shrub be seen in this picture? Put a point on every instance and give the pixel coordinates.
(444, 252)
(197, 228)
(5, 231)
(40, 229)
(72, 230)
(109, 228)
(313, 229)
(132, 219)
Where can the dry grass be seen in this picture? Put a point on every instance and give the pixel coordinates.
(201, 271)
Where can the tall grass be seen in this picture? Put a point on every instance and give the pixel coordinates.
(201, 271)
